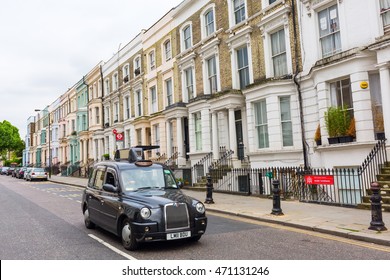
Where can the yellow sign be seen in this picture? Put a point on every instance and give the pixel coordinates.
(363, 85)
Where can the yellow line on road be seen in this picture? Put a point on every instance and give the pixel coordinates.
(303, 231)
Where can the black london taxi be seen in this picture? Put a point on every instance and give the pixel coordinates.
(140, 201)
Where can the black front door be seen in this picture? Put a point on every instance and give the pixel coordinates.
(239, 135)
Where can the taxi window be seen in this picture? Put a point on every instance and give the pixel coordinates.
(136, 179)
(169, 179)
(99, 179)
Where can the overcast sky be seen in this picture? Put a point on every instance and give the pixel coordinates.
(46, 46)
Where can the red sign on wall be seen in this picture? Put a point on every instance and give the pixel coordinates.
(119, 136)
(319, 179)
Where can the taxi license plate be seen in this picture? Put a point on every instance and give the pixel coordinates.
(178, 235)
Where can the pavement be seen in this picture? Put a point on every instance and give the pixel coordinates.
(349, 223)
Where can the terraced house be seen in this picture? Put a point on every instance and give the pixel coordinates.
(244, 83)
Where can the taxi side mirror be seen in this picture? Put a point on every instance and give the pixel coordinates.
(109, 188)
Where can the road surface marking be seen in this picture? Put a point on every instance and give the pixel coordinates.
(123, 254)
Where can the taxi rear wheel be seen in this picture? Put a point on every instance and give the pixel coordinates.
(128, 239)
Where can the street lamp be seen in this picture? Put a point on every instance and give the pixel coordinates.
(48, 114)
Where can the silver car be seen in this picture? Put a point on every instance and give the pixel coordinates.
(36, 173)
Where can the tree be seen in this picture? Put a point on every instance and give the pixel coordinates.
(9, 138)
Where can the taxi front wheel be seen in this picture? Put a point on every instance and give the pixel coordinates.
(128, 239)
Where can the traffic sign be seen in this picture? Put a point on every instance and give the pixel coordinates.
(119, 136)
(114, 131)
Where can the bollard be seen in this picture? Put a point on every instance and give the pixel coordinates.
(376, 209)
(209, 190)
(276, 210)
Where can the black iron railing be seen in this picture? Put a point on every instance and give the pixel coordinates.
(200, 169)
(336, 186)
(372, 165)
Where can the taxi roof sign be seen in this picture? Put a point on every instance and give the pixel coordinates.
(133, 154)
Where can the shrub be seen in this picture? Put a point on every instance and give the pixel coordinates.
(337, 121)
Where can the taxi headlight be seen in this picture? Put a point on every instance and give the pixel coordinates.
(145, 213)
(200, 207)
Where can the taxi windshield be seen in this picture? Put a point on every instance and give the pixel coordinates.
(144, 178)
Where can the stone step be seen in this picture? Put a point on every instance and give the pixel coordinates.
(385, 170)
(367, 206)
(383, 192)
(385, 199)
(383, 177)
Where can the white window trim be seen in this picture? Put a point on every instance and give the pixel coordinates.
(151, 109)
(138, 114)
(165, 57)
(270, 25)
(127, 95)
(115, 81)
(205, 72)
(152, 63)
(124, 71)
(269, 68)
(203, 21)
(116, 112)
(184, 84)
(182, 44)
(232, 20)
(107, 89)
(234, 63)
(134, 66)
(166, 93)
(265, 4)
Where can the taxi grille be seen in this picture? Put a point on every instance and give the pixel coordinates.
(176, 216)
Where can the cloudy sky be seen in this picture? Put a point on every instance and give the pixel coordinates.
(46, 46)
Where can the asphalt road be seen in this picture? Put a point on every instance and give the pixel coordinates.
(43, 220)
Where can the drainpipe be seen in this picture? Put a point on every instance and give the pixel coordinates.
(304, 144)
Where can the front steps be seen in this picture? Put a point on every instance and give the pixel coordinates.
(384, 181)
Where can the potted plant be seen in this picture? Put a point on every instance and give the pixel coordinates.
(378, 124)
(317, 136)
(350, 133)
(106, 156)
(337, 122)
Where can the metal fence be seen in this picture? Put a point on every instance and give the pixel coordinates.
(341, 186)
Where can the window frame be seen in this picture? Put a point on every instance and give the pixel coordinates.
(153, 99)
(244, 68)
(138, 102)
(152, 60)
(212, 76)
(184, 40)
(169, 92)
(167, 50)
(187, 97)
(332, 35)
(198, 131)
(261, 126)
(281, 53)
(286, 121)
(235, 10)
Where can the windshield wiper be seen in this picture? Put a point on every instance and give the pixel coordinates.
(149, 188)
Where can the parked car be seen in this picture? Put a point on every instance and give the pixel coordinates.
(36, 173)
(10, 171)
(140, 201)
(15, 171)
(4, 170)
(20, 174)
(28, 169)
